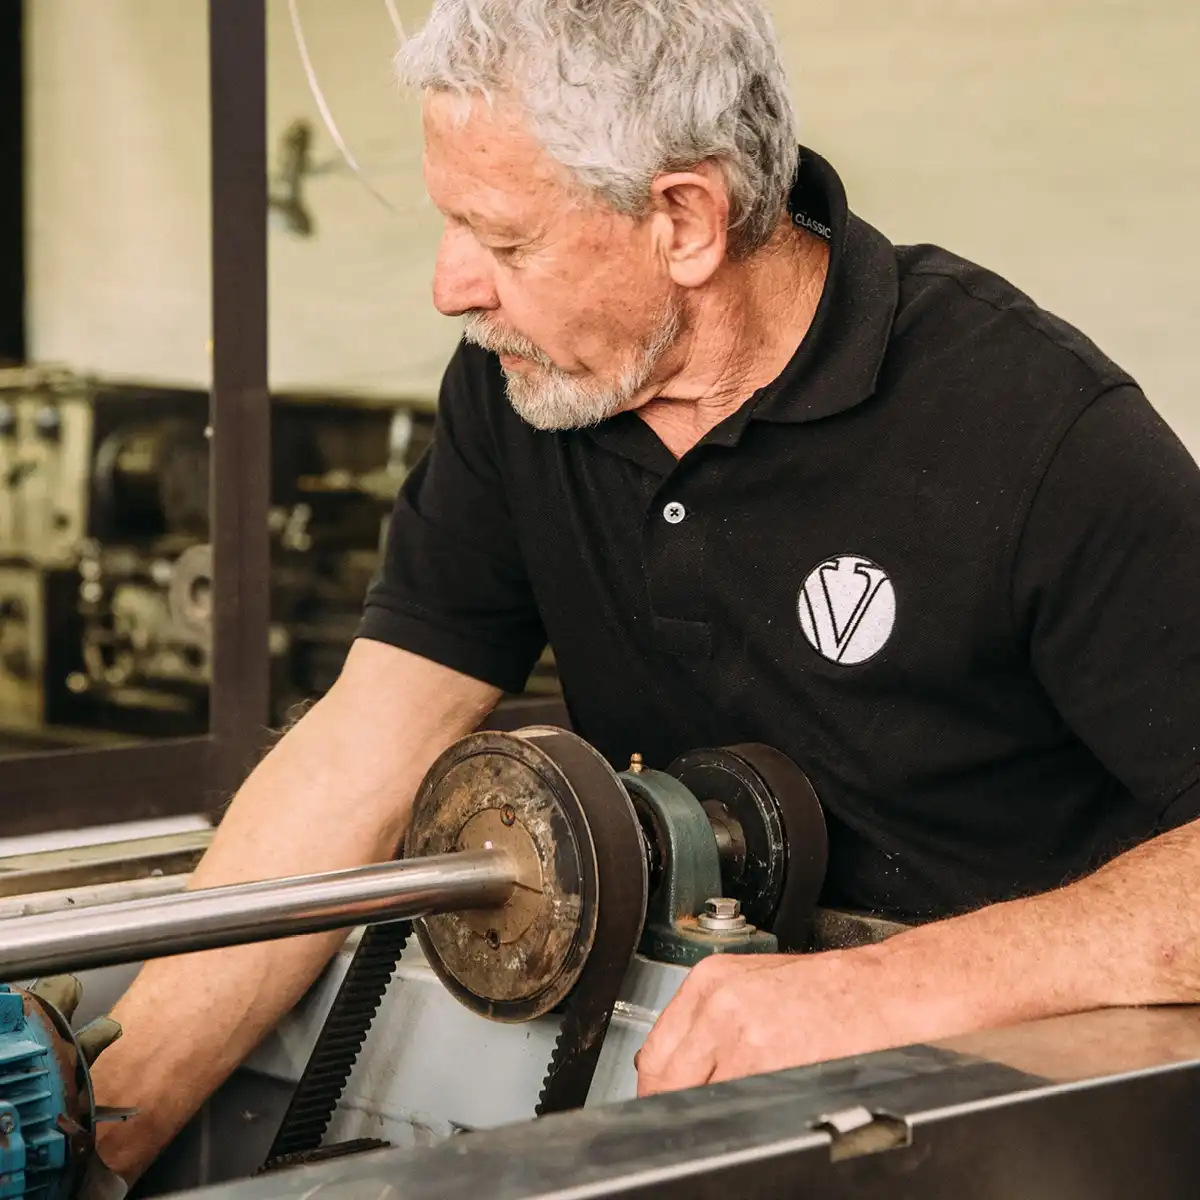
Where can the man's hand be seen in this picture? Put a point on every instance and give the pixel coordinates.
(1123, 936)
(741, 1015)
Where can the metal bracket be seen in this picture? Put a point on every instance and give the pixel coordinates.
(689, 876)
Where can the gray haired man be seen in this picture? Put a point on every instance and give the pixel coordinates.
(756, 474)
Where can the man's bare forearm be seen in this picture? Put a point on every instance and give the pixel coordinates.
(1127, 935)
(335, 792)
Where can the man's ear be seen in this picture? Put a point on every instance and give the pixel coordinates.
(691, 213)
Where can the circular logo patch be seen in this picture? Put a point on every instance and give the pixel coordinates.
(848, 609)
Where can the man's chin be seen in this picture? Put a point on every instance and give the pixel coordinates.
(555, 414)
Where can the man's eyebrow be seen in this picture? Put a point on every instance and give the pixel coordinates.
(492, 226)
(505, 234)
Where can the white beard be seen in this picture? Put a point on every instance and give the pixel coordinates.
(550, 399)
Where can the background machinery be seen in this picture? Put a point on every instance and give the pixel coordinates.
(105, 563)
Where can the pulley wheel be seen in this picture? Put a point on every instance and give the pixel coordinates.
(544, 796)
(770, 830)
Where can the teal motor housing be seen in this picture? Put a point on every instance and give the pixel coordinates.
(47, 1110)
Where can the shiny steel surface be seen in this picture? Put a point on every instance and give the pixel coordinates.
(107, 934)
(1099, 1106)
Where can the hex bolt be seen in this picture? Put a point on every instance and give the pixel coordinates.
(722, 915)
(493, 939)
(508, 815)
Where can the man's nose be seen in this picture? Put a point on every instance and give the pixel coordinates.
(462, 279)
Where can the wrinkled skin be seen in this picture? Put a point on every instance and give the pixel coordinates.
(748, 1015)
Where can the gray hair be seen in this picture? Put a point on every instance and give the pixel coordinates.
(620, 91)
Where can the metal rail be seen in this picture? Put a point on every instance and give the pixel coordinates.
(95, 863)
(132, 930)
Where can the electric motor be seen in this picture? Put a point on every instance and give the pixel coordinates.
(48, 1113)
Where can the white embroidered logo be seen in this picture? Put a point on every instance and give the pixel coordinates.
(848, 609)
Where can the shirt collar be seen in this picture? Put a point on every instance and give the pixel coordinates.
(837, 365)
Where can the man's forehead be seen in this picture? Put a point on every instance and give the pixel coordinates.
(483, 166)
(504, 211)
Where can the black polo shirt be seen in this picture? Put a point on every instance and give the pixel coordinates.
(949, 562)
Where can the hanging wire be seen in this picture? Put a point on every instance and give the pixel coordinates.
(397, 24)
(318, 95)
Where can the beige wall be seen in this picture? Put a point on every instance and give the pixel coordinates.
(1052, 140)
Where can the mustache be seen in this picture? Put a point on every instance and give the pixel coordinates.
(480, 330)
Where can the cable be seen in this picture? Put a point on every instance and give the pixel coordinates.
(397, 25)
(314, 86)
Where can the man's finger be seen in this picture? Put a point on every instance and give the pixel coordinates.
(673, 1023)
(691, 1065)
(669, 1032)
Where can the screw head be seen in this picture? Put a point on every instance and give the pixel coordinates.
(722, 908)
(723, 915)
(7, 1124)
(508, 815)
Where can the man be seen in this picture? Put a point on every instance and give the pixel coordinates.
(758, 475)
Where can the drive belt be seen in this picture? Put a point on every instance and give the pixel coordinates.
(341, 1040)
(621, 876)
(306, 1158)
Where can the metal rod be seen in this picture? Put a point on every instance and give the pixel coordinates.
(132, 930)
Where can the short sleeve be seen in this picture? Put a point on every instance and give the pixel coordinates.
(1107, 589)
(452, 586)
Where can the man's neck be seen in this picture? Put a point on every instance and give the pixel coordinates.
(742, 334)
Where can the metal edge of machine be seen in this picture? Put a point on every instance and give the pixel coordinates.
(1098, 1105)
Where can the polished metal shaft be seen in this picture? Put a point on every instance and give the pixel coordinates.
(132, 930)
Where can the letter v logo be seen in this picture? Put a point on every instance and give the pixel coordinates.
(848, 609)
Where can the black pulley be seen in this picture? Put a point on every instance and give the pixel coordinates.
(770, 832)
(552, 802)
(514, 792)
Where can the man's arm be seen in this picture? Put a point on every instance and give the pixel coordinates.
(1127, 935)
(336, 792)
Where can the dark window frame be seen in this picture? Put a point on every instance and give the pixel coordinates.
(12, 180)
(68, 788)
